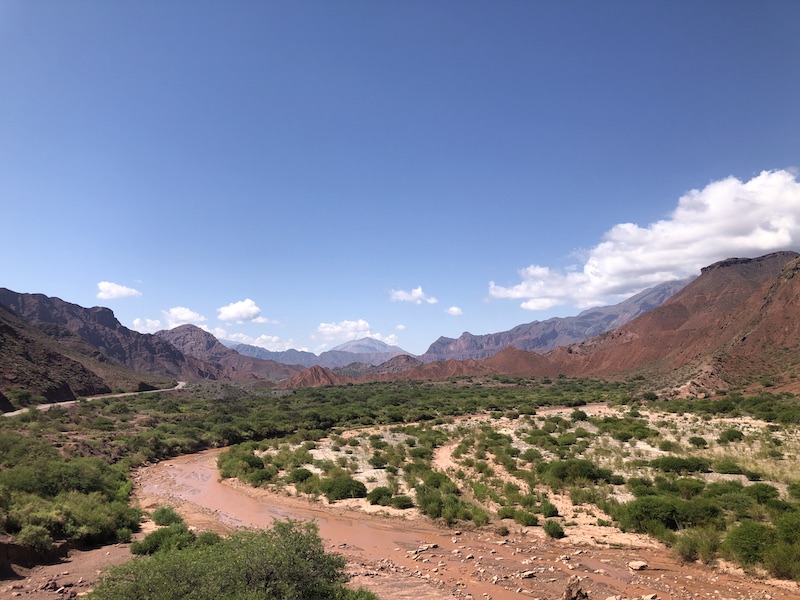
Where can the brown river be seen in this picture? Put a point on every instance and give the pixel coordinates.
(401, 558)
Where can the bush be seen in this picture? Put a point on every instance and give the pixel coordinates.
(553, 529)
(727, 466)
(677, 464)
(287, 561)
(341, 487)
(698, 442)
(164, 515)
(697, 543)
(747, 541)
(299, 475)
(549, 509)
(171, 537)
(525, 518)
(782, 560)
(648, 514)
(36, 537)
(381, 495)
(730, 435)
(402, 502)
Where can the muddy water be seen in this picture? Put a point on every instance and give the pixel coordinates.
(194, 479)
(476, 564)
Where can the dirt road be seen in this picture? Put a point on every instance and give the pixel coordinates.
(43, 407)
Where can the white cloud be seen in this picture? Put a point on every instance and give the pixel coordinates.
(400, 327)
(352, 330)
(109, 291)
(147, 325)
(180, 315)
(454, 310)
(727, 218)
(417, 296)
(345, 330)
(268, 342)
(244, 310)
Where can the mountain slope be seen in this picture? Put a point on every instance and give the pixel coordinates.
(97, 326)
(543, 336)
(195, 342)
(30, 361)
(706, 325)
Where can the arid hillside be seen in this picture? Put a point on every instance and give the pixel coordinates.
(725, 328)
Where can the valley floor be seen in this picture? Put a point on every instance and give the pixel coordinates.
(402, 559)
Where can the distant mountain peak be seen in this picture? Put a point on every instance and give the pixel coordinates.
(367, 345)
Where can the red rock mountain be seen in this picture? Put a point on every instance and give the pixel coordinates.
(728, 326)
(31, 361)
(737, 322)
(195, 342)
(97, 327)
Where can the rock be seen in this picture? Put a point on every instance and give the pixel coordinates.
(637, 565)
(527, 575)
(573, 591)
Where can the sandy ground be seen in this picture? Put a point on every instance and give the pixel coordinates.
(404, 559)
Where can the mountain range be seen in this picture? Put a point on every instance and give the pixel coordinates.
(735, 324)
(366, 350)
(543, 336)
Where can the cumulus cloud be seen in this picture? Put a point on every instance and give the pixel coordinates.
(345, 330)
(417, 296)
(400, 327)
(244, 310)
(180, 315)
(268, 342)
(454, 310)
(147, 325)
(352, 330)
(108, 291)
(727, 218)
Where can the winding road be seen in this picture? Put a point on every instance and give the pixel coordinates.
(43, 407)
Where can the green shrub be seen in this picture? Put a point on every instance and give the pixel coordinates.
(169, 538)
(402, 502)
(164, 515)
(762, 492)
(298, 475)
(525, 518)
(506, 512)
(381, 495)
(698, 442)
(730, 435)
(287, 561)
(794, 490)
(782, 560)
(697, 543)
(727, 466)
(549, 509)
(648, 514)
(553, 529)
(747, 541)
(677, 464)
(36, 537)
(341, 487)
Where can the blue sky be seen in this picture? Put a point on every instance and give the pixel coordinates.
(296, 174)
